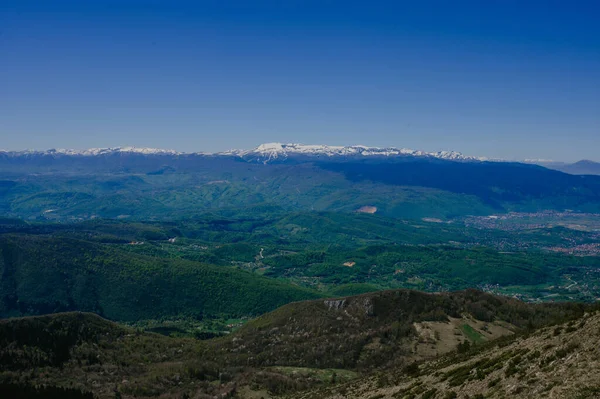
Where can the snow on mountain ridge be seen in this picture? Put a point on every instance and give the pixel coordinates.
(265, 152)
(271, 151)
(539, 161)
(95, 151)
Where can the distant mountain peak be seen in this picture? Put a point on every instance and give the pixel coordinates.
(587, 162)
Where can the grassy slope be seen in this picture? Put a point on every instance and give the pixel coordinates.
(555, 362)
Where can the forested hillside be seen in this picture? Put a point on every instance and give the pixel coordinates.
(242, 265)
(172, 186)
(42, 274)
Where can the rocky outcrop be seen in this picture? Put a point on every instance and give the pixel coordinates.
(356, 306)
(335, 304)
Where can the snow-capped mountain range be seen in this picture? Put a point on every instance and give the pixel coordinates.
(94, 151)
(272, 151)
(264, 152)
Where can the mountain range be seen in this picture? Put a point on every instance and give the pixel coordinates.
(279, 152)
(270, 152)
(152, 184)
(265, 152)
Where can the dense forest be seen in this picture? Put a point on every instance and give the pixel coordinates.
(223, 266)
(43, 274)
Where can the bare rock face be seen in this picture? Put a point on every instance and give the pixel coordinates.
(335, 304)
(369, 308)
(355, 305)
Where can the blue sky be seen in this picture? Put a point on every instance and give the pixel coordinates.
(491, 78)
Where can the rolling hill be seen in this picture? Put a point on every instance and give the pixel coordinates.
(284, 352)
(45, 274)
(223, 266)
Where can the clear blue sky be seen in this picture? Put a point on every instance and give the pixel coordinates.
(509, 79)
